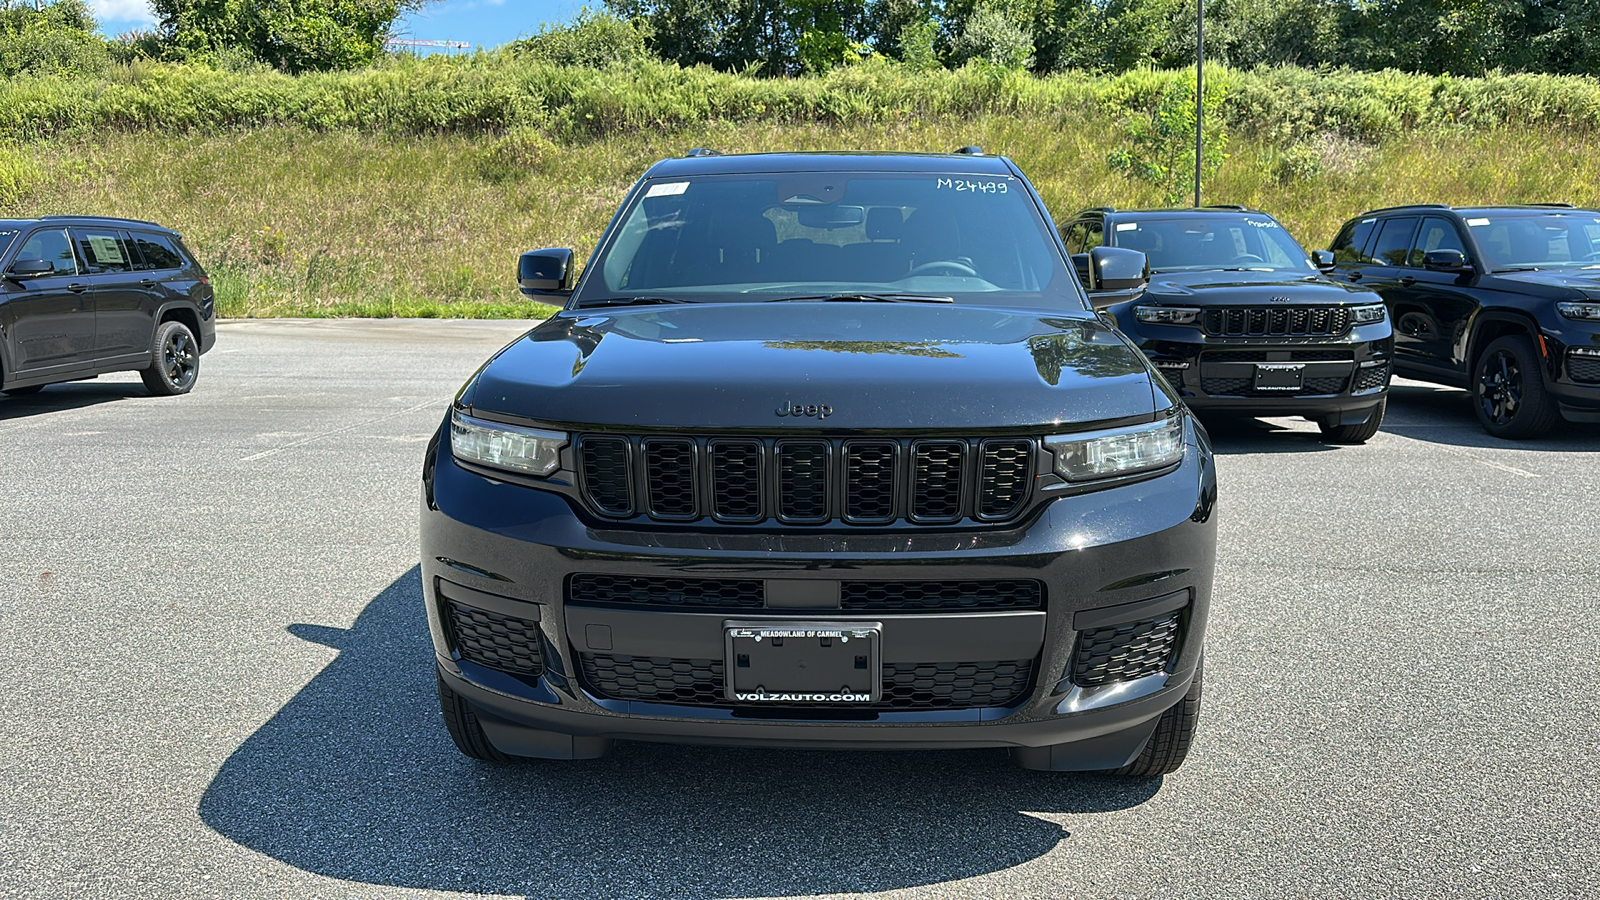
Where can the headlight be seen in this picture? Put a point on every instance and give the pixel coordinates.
(1590, 311)
(1166, 315)
(1363, 315)
(526, 450)
(1118, 451)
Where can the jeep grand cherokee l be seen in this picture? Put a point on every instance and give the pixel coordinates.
(1501, 300)
(81, 296)
(1239, 317)
(825, 450)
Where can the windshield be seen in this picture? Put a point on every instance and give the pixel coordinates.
(1193, 243)
(1540, 240)
(817, 235)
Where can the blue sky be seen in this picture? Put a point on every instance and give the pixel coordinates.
(483, 23)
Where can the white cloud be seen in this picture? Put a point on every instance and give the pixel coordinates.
(123, 11)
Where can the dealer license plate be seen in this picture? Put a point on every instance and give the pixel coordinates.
(1279, 377)
(804, 662)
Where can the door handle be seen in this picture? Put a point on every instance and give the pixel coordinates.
(1353, 276)
(148, 282)
(1407, 281)
(77, 288)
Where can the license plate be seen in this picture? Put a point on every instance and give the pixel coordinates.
(1279, 377)
(810, 663)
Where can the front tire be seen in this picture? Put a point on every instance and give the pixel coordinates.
(174, 361)
(1169, 744)
(1353, 434)
(465, 729)
(1508, 390)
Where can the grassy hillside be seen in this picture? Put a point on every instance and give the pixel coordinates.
(374, 217)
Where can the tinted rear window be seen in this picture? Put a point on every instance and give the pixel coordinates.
(158, 251)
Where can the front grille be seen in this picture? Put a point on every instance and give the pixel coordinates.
(666, 593)
(499, 642)
(744, 594)
(1583, 368)
(1125, 652)
(1372, 377)
(906, 686)
(1221, 387)
(917, 596)
(1278, 356)
(806, 481)
(1277, 321)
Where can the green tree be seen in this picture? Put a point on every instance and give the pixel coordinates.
(57, 38)
(294, 35)
(1160, 139)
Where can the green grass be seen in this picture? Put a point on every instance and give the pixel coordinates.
(298, 222)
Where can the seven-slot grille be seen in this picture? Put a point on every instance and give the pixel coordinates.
(1276, 321)
(806, 481)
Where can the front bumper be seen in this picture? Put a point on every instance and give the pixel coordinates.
(1348, 375)
(1106, 558)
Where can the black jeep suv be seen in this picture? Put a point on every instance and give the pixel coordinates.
(825, 450)
(1239, 317)
(81, 296)
(1503, 301)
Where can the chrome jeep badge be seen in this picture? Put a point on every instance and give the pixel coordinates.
(790, 408)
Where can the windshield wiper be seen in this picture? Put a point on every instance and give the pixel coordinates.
(864, 298)
(1247, 269)
(629, 301)
(1517, 269)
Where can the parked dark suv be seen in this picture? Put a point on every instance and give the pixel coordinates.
(1501, 300)
(81, 296)
(825, 450)
(1240, 318)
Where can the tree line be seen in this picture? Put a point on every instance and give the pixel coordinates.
(1462, 37)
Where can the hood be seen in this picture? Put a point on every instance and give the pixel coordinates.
(899, 366)
(1561, 281)
(1218, 288)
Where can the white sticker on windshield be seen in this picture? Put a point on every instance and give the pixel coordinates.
(1477, 222)
(1127, 226)
(105, 249)
(667, 189)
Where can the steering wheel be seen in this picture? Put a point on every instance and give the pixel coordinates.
(958, 268)
(1247, 258)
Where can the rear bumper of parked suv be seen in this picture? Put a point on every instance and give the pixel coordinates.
(1348, 375)
(1081, 624)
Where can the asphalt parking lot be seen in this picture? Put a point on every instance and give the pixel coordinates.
(219, 677)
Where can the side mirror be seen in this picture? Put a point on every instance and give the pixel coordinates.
(1446, 261)
(1323, 260)
(1116, 274)
(545, 272)
(31, 268)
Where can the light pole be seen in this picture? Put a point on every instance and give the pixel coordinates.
(1199, 92)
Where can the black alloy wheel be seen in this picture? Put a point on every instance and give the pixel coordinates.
(175, 363)
(1511, 401)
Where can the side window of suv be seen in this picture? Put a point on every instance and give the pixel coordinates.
(1072, 236)
(52, 246)
(1348, 247)
(1394, 241)
(1435, 234)
(103, 252)
(157, 251)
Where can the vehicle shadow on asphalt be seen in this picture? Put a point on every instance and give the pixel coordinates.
(1444, 415)
(1242, 434)
(61, 397)
(356, 779)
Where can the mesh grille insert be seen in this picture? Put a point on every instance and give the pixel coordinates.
(869, 481)
(669, 470)
(666, 593)
(920, 596)
(1003, 484)
(606, 478)
(1125, 652)
(803, 481)
(498, 642)
(1372, 377)
(1583, 368)
(736, 480)
(937, 478)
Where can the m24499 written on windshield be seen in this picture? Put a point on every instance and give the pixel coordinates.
(975, 187)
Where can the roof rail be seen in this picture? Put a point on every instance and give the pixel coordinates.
(1101, 209)
(1407, 206)
(1556, 205)
(701, 151)
(119, 219)
(1233, 206)
(968, 151)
